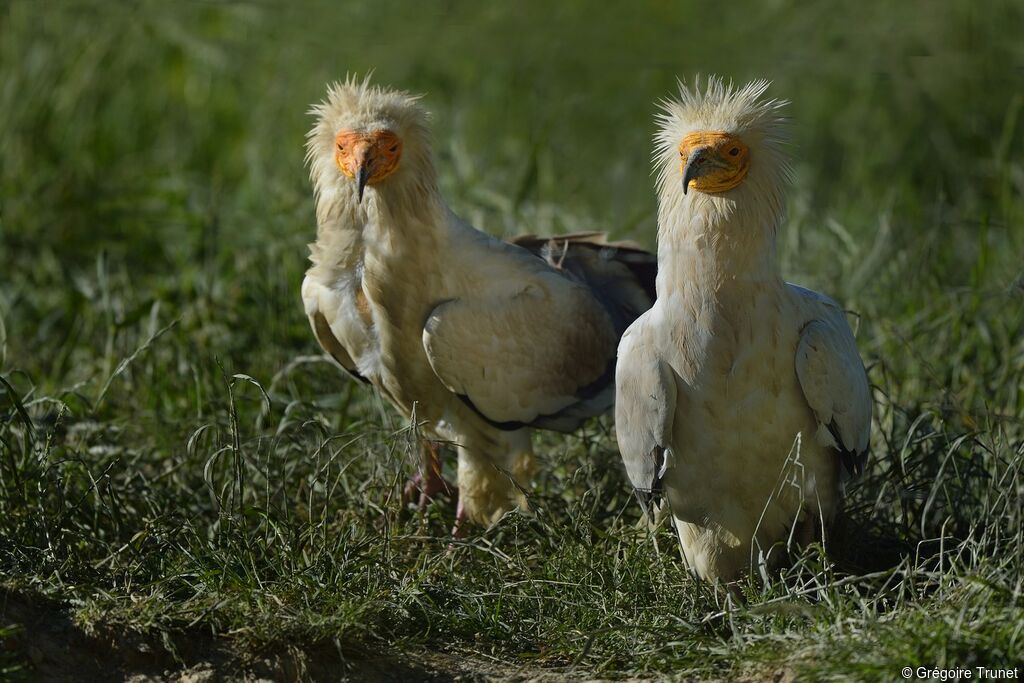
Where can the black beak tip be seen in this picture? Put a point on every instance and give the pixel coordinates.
(694, 167)
(362, 179)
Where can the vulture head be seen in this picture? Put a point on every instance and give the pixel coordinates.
(719, 153)
(367, 136)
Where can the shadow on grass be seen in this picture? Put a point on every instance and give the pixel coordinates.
(43, 643)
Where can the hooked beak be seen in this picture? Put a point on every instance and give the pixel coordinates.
(363, 177)
(696, 166)
(364, 158)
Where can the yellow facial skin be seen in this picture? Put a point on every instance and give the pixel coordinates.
(713, 162)
(367, 157)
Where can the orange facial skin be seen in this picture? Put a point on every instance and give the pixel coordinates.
(712, 162)
(367, 157)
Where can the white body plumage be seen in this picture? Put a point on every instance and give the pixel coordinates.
(478, 338)
(738, 395)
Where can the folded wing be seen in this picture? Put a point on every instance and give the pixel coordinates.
(329, 321)
(835, 384)
(645, 407)
(541, 353)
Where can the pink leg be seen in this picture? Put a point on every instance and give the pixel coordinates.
(459, 530)
(428, 482)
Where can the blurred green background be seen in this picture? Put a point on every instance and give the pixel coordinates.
(151, 160)
(163, 142)
(154, 212)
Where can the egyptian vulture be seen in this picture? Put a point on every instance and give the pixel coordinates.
(741, 398)
(477, 338)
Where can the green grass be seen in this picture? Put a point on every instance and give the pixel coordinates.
(182, 475)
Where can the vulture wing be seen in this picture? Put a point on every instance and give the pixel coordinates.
(539, 353)
(834, 381)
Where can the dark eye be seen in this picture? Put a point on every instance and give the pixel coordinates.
(734, 151)
(341, 147)
(393, 149)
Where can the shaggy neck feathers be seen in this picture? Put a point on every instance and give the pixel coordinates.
(710, 242)
(692, 253)
(390, 208)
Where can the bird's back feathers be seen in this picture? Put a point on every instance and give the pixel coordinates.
(620, 274)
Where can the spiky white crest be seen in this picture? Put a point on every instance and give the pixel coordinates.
(356, 104)
(743, 112)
